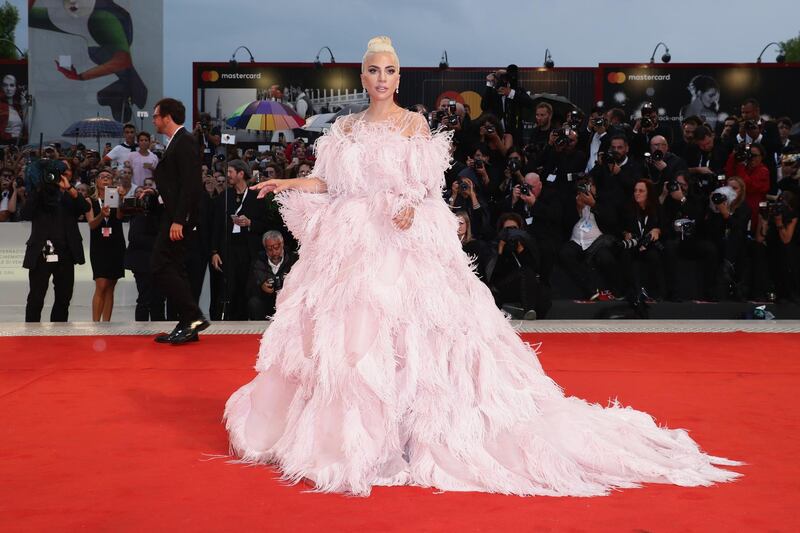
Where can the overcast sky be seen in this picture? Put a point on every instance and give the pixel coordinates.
(474, 32)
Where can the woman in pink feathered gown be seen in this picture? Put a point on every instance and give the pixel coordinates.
(375, 370)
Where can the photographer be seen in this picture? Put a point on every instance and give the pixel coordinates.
(661, 164)
(615, 172)
(684, 210)
(682, 145)
(505, 99)
(789, 173)
(706, 159)
(477, 249)
(270, 267)
(641, 245)
(562, 163)
(238, 224)
(591, 244)
(462, 196)
(55, 245)
(207, 138)
(485, 175)
(591, 141)
(145, 218)
(726, 228)
(777, 248)
(514, 277)
(492, 139)
(747, 162)
(645, 128)
(753, 132)
(540, 210)
(453, 116)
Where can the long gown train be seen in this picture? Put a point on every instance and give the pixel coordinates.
(387, 362)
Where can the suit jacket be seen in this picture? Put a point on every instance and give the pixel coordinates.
(179, 181)
(61, 229)
(515, 109)
(261, 270)
(222, 224)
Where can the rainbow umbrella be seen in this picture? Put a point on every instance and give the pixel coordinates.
(265, 115)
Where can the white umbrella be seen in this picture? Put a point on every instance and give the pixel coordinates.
(319, 122)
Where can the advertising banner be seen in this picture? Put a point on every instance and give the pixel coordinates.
(93, 57)
(14, 102)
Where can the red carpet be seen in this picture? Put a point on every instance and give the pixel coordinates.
(110, 434)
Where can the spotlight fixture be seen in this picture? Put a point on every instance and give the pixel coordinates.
(548, 59)
(666, 58)
(318, 63)
(235, 63)
(443, 63)
(780, 58)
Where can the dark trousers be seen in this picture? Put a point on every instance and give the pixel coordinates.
(522, 285)
(704, 252)
(168, 266)
(236, 268)
(216, 286)
(150, 303)
(641, 265)
(260, 306)
(63, 273)
(578, 263)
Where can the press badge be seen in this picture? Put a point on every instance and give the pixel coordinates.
(237, 229)
(51, 258)
(551, 178)
(529, 221)
(106, 232)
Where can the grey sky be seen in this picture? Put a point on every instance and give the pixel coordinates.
(474, 32)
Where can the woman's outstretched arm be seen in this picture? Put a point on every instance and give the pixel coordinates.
(309, 184)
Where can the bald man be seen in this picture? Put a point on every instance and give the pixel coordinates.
(662, 165)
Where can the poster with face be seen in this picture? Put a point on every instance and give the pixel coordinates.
(91, 57)
(14, 102)
(711, 92)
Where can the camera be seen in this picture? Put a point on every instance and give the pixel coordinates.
(673, 186)
(512, 237)
(773, 207)
(276, 281)
(524, 189)
(609, 157)
(584, 187)
(599, 121)
(44, 173)
(684, 227)
(743, 153)
(219, 157)
(646, 122)
(464, 185)
(574, 118)
(656, 155)
(479, 162)
(137, 206)
(490, 129)
(751, 124)
(502, 79)
(514, 164)
(562, 138)
(718, 198)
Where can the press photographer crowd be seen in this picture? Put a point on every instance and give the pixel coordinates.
(551, 203)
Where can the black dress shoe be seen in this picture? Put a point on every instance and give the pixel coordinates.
(164, 338)
(189, 333)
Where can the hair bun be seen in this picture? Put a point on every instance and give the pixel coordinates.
(382, 43)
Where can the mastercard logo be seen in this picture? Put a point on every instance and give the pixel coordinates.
(210, 75)
(616, 77)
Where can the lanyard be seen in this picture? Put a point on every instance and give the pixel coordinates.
(241, 204)
(642, 226)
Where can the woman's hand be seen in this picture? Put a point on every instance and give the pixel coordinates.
(404, 218)
(655, 233)
(271, 185)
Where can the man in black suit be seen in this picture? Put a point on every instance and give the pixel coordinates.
(509, 102)
(239, 221)
(266, 276)
(55, 245)
(180, 185)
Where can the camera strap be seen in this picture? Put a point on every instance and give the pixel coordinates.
(236, 227)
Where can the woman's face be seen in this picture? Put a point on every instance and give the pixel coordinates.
(462, 226)
(710, 98)
(103, 180)
(381, 76)
(640, 193)
(9, 86)
(210, 184)
(82, 188)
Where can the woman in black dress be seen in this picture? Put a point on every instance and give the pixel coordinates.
(106, 249)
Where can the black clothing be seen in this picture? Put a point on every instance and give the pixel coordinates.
(511, 111)
(261, 304)
(107, 246)
(582, 265)
(180, 184)
(640, 142)
(54, 215)
(675, 166)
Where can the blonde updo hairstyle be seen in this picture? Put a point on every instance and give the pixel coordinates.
(377, 45)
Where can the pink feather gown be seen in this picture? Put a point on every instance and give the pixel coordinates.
(388, 363)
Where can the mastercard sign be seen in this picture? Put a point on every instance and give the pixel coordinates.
(616, 77)
(210, 75)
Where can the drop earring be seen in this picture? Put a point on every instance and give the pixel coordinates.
(397, 91)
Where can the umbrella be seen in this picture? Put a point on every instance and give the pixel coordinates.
(561, 105)
(265, 115)
(319, 122)
(94, 127)
(346, 110)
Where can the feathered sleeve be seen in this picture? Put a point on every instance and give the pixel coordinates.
(302, 211)
(428, 159)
